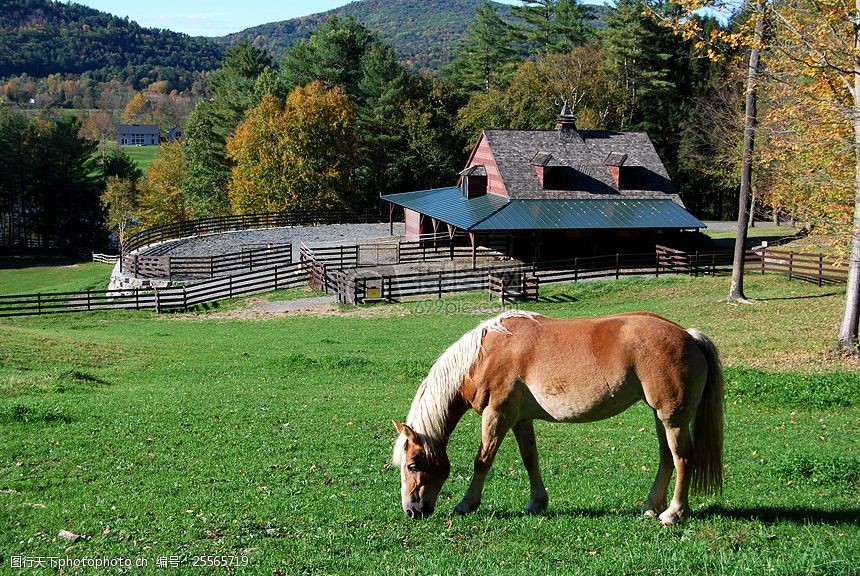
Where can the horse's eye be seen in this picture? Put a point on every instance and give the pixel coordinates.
(413, 466)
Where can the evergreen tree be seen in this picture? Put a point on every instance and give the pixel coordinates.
(487, 58)
(332, 55)
(640, 59)
(550, 25)
(234, 88)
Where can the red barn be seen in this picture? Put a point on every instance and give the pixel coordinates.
(554, 192)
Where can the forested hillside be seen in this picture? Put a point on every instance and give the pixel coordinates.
(42, 37)
(425, 34)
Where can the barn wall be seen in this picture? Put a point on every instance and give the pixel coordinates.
(484, 156)
(413, 224)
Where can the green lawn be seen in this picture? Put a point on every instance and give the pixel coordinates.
(28, 274)
(207, 434)
(143, 155)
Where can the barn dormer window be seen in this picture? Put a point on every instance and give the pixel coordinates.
(473, 181)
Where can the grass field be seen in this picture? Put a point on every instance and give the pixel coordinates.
(215, 434)
(143, 155)
(29, 274)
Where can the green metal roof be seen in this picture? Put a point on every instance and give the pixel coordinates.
(584, 214)
(449, 205)
(491, 212)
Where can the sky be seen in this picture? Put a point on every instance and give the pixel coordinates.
(212, 17)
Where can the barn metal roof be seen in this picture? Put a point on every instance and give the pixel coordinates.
(490, 212)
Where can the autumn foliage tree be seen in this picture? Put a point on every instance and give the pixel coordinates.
(295, 154)
(161, 199)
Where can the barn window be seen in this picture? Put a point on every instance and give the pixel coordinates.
(473, 181)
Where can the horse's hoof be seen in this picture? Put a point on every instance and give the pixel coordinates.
(538, 507)
(672, 517)
(462, 509)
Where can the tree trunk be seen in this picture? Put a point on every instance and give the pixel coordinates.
(848, 329)
(736, 291)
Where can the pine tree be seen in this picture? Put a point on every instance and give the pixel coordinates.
(487, 58)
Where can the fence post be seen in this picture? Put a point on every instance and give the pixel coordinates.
(617, 265)
(276, 277)
(39, 303)
(157, 303)
(230, 285)
(439, 295)
(88, 300)
(763, 258)
(820, 268)
(790, 265)
(576, 269)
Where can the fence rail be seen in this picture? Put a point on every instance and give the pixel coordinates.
(244, 222)
(330, 276)
(173, 298)
(165, 266)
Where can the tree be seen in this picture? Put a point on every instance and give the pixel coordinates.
(116, 163)
(212, 121)
(820, 45)
(551, 25)
(68, 191)
(161, 197)
(486, 60)
(332, 55)
(640, 59)
(298, 154)
(748, 31)
(119, 202)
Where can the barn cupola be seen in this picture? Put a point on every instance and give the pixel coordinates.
(565, 124)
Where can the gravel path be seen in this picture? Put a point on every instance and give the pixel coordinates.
(283, 306)
(229, 242)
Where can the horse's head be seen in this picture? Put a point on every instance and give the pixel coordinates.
(422, 473)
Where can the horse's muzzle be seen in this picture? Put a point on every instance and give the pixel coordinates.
(416, 513)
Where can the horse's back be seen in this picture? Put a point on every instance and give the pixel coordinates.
(592, 368)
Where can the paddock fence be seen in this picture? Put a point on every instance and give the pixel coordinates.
(220, 224)
(265, 279)
(335, 270)
(166, 266)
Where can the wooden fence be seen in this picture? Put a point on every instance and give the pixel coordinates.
(220, 224)
(166, 266)
(810, 267)
(159, 299)
(392, 287)
(330, 276)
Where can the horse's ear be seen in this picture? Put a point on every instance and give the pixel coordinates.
(405, 430)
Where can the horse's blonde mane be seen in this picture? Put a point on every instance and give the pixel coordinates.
(428, 413)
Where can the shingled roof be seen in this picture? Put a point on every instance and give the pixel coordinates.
(586, 156)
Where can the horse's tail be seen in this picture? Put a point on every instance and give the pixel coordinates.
(708, 425)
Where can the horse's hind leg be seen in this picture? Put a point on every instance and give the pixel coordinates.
(656, 502)
(678, 438)
(524, 430)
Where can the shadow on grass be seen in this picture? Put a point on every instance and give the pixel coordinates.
(557, 299)
(769, 514)
(811, 296)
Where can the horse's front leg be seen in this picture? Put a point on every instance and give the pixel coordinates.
(524, 430)
(494, 426)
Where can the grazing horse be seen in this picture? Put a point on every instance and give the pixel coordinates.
(520, 366)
